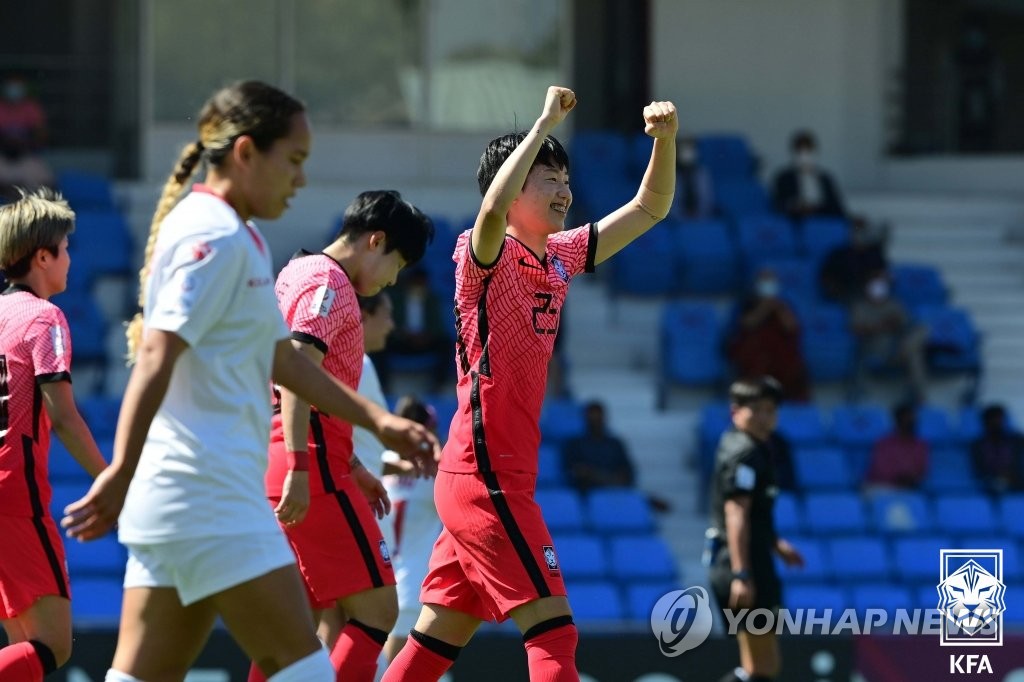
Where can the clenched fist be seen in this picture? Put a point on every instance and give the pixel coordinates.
(557, 104)
(660, 120)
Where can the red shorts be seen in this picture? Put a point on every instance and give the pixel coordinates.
(339, 547)
(32, 563)
(495, 552)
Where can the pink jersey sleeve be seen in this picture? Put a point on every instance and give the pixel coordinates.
(50, 341)
(467, 267)
(576, 248)
(320, 308)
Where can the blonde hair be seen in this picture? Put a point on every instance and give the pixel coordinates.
(247, 108)
(37, 220)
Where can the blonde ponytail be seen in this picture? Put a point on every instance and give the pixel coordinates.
(183, 171)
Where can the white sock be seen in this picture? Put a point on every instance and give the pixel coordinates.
(118, 676)
(313, 668)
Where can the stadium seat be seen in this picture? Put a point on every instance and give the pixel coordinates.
(647, 267)
(933, 425)
(832, 513)
(964, 514)
(882, 596)
(642, 596)
(96, 601)
(1012, 568)
(727, 157)
(66, 492)
(858, 559)
(954, 343)
(618, 510)
(860, 426)
(100, 413)
(822, 468)
(738, 198)
(691, 352)
(86, 191)
(918, 284)
(821, 235)
(1011, 514)
(63, 468)
(707, 257)
(916, 559)
(85, 321)
(763, 237)
(582, 556)
(828, 345)
(103, 556)
(1014, 614)
(802, 425)
(642, 557)
(798, 280)
(602, 149)
(595, 601)
(949, 471)
(817, 564)
(102, 243)
(561, 419)
(788, 519)
(900, 513)
(562, 508)
(549, 467)
(819, 597)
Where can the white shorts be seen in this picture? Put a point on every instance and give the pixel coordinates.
(200, 567)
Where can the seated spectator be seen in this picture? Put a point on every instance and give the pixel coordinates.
(22, 136)
(998, 453)
(421, 329)
(694, 198)
(803, 188)
(887, 337)
(765, 339)
(899, 460)
(846, 269)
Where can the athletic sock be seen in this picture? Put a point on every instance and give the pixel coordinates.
(735, 675)
(354, 655)
(26, 662)
(551, 650)
(313, 668)
(118, 676)
(422, 659)
(255, 674)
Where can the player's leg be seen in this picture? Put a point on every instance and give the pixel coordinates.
(433, 645)
(39, 640)
(759, 655)
(371, 615)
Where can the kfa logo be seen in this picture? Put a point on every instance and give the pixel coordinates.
(384, 553)
(972, 599)
(550, 558)
(559, 267)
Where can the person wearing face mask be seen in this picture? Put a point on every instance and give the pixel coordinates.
(846, 269)
(888, 338)
(804, 189)
(899, 460)
(766, 339)
(22, 135)
(694, 190)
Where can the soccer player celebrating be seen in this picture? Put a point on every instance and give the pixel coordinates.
(344, 560)
(495, 558)
(35, 373)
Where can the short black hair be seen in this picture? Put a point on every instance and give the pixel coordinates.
(992, 411)
(904, 409)
(371, 304)
(551, 153)
(405, 227)
(413, 408)
(748, 391)
(803, 138)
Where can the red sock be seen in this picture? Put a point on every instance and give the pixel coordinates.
(551, 652)
(255, 674)
(355, 654)
(422, 659)
(20, 663)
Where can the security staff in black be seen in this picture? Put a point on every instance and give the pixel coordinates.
(742, 539)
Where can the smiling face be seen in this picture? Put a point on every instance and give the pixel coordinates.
(542, 205)
(277, 173)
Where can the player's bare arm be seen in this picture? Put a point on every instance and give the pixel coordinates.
(97, 512)
(294, 502)
(489, 229)
(654, 197)
(737, 534)
(59, 401)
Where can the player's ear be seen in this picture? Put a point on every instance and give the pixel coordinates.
(243, 150)
(377, 240)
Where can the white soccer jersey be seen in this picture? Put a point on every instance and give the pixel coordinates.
(201, 470)
(368, 449)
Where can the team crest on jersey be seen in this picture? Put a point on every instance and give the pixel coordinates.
(559, 268)
(384, 553)
(550, 558)
(323, 299)
(201, 250)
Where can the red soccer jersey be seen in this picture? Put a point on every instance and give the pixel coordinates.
(35, 348)
(507, 316)
(319, 305)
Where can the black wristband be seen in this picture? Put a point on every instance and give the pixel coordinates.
(741, 575)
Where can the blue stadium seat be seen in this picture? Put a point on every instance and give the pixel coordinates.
(902, 513)
(602, 149)
(549, 467)
(738, 198)
(595, 601)
(618, 510)
(954, 343)
(647, 267)
(860, 426)
(1011, 514)
(965, 514)
(829, 346)
(562, 509)
(85, 321)
(691, 344)
(765, 236)
(86, 191)
(598, 191)
(788, 518)
(833, 513)
(882, 596)
(582, 556)
(727, 156)
(102, 243)
(918, 284)
(96, 601)
(104, 556)
(949, 471)
(817, 564)
(1013, 570)
(803, 425)
(933, 425)
(820, 597)
(916, 559)
(561, 419)
(63, 468)
(798, 280)
(642, 557)
(642, 596)
(1014, 614)
(100, 413)
(822, 468)
(708, 260)
(66, 492)
(858, 559)
(821, 235)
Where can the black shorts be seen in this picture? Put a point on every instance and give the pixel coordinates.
(767, 588)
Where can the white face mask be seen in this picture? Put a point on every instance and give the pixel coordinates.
(767, 288)
(14, 91)
(687, 155)
(805, 158)
(878, 289)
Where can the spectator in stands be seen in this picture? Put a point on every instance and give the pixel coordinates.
(804, 189)
(22, 136)
(847, 268)
(900, 459)
(765, 339)
(998, 453)
(887, 335)
(421, 329)
(694, 190)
